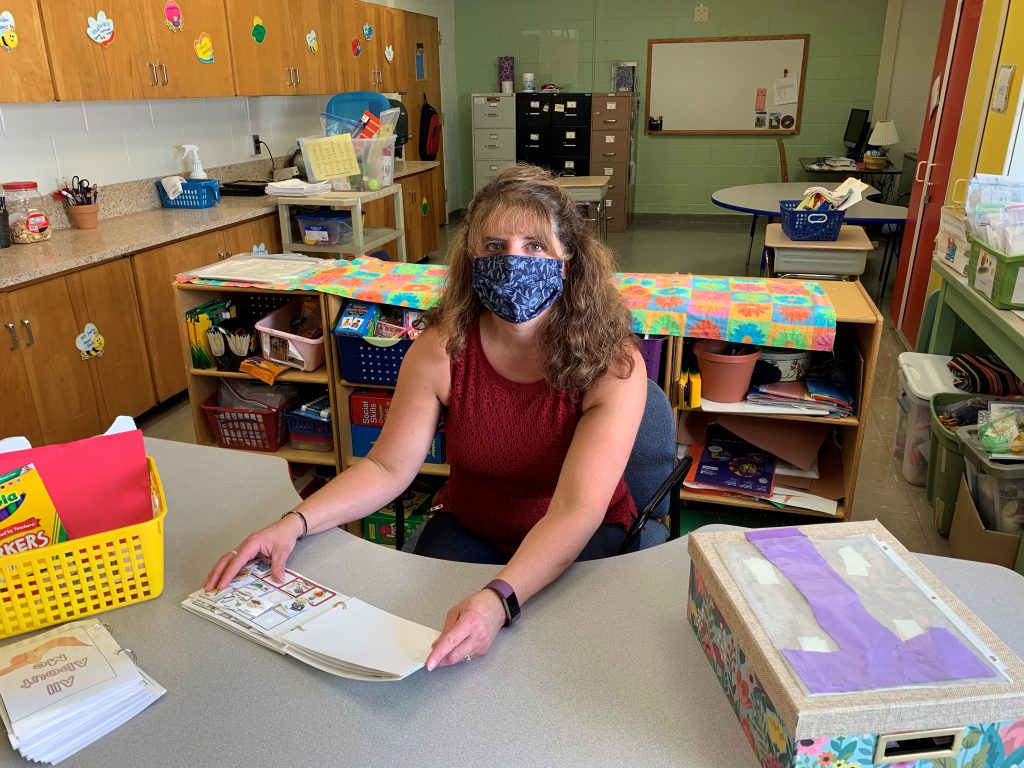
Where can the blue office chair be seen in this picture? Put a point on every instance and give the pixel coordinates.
(651, 473)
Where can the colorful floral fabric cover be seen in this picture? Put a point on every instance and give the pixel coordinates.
(777, 313)
(992, 745)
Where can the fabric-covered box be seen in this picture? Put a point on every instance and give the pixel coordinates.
(836, 647)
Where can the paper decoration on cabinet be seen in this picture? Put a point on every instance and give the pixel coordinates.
(1001, 93)
(420, 62)
(357, 48)
(172, 16)
(261, 248)
(424, 207)
(101, 29)
(389, 53)
(8, 37)
(311, 42)
(204, 48)
(368, 31)
(259, 31)
(90, 342)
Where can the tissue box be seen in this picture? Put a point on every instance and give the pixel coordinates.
(964, 724)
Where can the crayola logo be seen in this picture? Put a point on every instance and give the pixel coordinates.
(9, 503)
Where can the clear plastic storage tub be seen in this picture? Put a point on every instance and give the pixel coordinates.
(920, 377)
(325, 227)
(996, 486)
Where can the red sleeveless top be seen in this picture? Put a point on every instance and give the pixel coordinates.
(506, 443)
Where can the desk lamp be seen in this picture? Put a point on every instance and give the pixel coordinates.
(883, 135)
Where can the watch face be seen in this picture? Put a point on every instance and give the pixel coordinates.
(512, 608)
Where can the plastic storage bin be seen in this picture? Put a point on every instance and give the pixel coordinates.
(286, 348)
(195, 193)
(326, 227)
(309, 433)
(650, 350)
(997, 487)
(369, 360)
(921, 376)
(809, 225)
(74, 579)
(245, 428)
(996, 275)
(945, 462)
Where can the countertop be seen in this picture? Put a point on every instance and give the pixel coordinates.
(71, 249)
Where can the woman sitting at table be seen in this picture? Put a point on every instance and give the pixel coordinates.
(529, 357)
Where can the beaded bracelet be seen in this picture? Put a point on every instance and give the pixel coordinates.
(302, 517)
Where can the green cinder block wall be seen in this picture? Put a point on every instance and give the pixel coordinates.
(573, 42)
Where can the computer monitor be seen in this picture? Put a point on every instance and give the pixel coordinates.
(856, 135)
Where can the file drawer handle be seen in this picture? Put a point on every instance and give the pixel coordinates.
(611, 120)
(492, 114)
(609, 154)
(14, 336)
(491, 146)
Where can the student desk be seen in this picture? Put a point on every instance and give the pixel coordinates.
(763, 200)
(590, 191)
(603, 670)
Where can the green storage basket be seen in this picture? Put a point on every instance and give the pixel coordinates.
(945, 462)
(1000, 279)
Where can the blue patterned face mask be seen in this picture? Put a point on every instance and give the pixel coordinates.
(517, 288)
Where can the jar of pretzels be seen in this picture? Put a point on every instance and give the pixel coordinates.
(27, 224)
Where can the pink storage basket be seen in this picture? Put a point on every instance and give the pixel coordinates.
(286, 348)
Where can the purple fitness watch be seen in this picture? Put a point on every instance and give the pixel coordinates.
(509, 601)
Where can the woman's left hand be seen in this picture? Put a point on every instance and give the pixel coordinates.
(469, 629)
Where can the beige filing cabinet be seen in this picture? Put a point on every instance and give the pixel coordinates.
(494, 134)
(613, 126)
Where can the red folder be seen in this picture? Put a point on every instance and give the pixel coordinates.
(97, 484)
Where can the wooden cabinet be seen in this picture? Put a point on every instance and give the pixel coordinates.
(75, 396)
(393, 74)
(279, 60)
(154, 276)
(144, 57)
(194, 60)
(84, 69)
(421, 207)
(25, 70)
(18, 413)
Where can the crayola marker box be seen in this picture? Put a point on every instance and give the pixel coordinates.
(28, 519)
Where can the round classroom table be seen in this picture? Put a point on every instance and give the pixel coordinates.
(603, 669)
(763, 200)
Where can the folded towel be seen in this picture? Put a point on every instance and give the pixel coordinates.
(172, 185)
(983, 375)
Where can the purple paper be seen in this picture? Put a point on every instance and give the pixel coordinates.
(506, 69)
(870, 655)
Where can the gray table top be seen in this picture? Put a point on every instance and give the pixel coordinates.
(603, 670)
(763, 200)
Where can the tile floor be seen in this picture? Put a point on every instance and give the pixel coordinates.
(663, 244)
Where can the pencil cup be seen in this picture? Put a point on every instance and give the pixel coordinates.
(85, 216)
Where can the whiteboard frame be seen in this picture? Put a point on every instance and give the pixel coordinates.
(721, 131)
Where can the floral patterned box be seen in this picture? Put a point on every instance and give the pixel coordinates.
(966, 725)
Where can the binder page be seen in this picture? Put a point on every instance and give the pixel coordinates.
(355, 632)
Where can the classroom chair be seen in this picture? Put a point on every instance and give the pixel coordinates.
(651, 473)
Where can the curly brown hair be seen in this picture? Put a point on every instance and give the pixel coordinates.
(587, 331)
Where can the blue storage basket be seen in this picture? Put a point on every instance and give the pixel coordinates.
(809, 225)
(371, 361)
(195, 193)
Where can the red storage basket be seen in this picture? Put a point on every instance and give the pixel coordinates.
(245, 428)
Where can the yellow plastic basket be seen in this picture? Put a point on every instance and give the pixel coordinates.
(78, 578)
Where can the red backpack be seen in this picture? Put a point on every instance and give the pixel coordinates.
(430, 131)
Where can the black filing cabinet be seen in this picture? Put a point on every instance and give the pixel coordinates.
(553, 131)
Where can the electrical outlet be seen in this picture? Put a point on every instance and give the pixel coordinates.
(700, 13)
(256, 150)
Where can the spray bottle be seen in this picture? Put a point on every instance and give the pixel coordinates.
(192, 151)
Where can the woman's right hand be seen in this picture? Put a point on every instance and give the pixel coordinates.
(276, 541)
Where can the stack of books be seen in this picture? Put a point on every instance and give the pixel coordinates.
(64, 689)
(813, 397)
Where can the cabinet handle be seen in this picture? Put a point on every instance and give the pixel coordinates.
(163, 68)
(491, 146)
(28, 330)
(611, 120)
(289, 71)
(609, 154)
(917, 171)
(492, 114)
(153, 72)
(14, 336)
(297, 78)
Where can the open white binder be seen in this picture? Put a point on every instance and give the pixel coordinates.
(335, 633)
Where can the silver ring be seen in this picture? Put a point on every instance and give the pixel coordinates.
(234, 553)
(467, 658)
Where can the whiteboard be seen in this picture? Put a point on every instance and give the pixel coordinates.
(710, 85)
